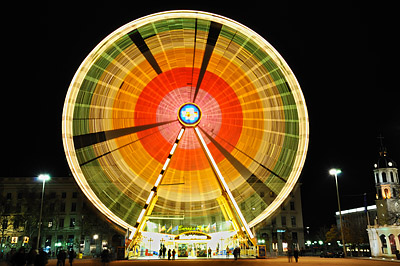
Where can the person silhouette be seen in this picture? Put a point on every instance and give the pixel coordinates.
(71, 256)
(296, 254)
(173, 254)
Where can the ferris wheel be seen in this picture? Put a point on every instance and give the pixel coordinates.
(185, 115)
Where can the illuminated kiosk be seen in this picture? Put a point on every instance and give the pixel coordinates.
(187, 129)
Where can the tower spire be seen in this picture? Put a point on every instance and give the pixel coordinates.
(382, 148)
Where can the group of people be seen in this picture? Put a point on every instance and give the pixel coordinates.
(170, 253)
(32, 258)
(62, 255)
(40, 258)
(294, 254)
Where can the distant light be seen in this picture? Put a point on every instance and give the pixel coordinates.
(335, 171)
(375, 165)
(320, 242)
(390, 163)
(44, 177)
(96, 237)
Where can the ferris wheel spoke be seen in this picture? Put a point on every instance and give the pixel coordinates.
(85, 140)
(213, 33)
(121, 147)
(138, 40)
(153, 193)
(245, 154)
(255, 182)
(194, 59)
(223, 183)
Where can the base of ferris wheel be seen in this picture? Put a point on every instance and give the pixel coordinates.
(190, 245)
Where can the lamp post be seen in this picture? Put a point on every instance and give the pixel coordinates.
(43, 178)
(95, 237)
(335, 172)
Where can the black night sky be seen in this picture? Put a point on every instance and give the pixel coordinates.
(343, 54)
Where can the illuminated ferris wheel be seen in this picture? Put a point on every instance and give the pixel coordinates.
(185, 116)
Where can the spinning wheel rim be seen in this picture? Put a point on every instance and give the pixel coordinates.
(297, 149)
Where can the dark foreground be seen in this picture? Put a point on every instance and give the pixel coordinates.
(303, 261)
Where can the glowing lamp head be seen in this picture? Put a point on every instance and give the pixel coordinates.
(44, 177)
(189, 114)
(335, 171)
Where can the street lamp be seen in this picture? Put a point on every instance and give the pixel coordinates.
(335, 172)
(43, 178)
(95, 237)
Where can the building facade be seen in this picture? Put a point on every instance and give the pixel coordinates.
(382, 220)
(69, 221)
(354, 222)
(384, 234)
(285, 228)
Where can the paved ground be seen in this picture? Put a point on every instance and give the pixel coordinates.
(303, 261)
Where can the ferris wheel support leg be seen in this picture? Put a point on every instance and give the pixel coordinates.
(225, 188)
(152, 198)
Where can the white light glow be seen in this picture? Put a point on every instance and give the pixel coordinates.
(180, 133)
(158, 180)
(335, 171)
(166, 163)
(150, 197)
(141, 215)
(131, 235)
(44, 177)
(173, 149)
(360, 209)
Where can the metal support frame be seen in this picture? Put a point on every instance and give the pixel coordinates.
(224, 186)
(152, 198)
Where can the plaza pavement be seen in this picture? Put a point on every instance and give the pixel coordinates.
(303, 261)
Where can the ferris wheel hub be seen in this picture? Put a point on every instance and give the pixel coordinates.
(189, 114)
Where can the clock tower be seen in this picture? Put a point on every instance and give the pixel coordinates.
(387, 189)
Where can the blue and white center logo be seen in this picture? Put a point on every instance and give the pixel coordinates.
(189, 114)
